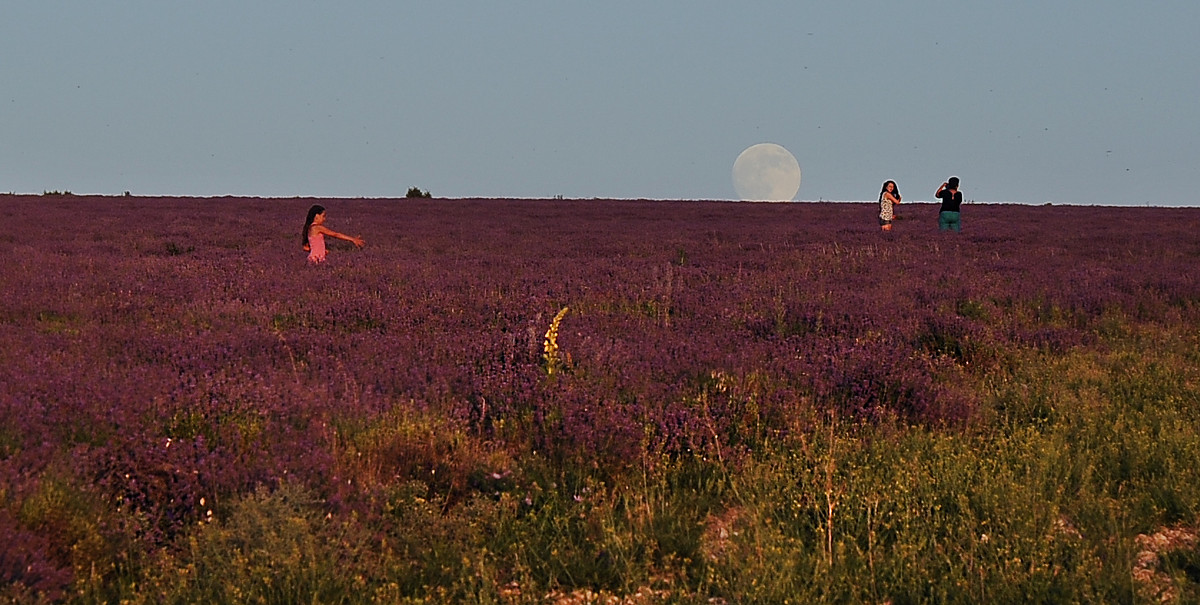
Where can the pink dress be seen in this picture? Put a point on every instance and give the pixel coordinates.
(316, 247)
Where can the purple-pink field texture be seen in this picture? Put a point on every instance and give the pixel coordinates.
(167, 356)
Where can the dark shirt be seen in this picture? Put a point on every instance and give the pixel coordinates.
(950, 200)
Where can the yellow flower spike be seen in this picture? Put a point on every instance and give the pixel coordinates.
(550, 344)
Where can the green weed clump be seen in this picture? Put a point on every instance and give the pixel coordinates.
(1039, 507)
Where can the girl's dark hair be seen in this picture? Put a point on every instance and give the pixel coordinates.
(953, 182)
(895, 193)
(312, 214)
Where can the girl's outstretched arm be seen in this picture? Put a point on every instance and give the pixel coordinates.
(357, 241)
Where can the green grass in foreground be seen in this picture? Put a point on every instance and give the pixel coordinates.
(1043, 499)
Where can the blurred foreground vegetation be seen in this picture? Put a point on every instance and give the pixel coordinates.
(1084, 461)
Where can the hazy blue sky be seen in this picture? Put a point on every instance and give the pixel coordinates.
(1069, 101)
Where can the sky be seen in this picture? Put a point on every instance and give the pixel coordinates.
(1028, 101)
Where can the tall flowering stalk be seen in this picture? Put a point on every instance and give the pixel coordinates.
(550, 344)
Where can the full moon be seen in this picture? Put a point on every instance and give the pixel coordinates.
(766, 172)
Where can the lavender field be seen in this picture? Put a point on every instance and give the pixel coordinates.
(522, 401)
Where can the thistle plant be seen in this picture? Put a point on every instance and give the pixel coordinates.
(550, 344)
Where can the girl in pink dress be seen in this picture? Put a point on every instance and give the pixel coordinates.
(314, 235)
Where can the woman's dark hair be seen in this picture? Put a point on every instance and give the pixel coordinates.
(896, 192)
(312, 214)
(953, 182)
